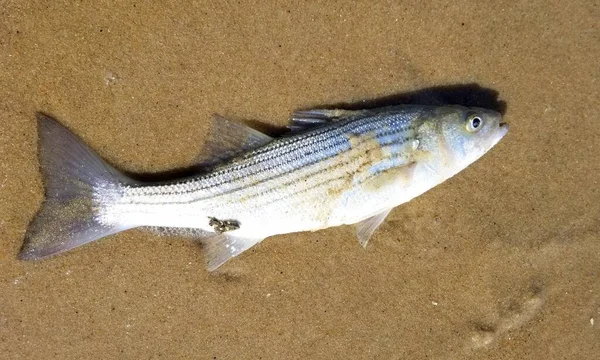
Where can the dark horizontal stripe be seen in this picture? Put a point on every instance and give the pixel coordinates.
(325, 143)
(318, 172)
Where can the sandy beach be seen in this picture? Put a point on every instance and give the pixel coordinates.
(502, 261)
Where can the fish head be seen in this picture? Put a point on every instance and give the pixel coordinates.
(462, 135)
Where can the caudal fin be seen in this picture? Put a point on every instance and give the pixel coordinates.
(78, 186)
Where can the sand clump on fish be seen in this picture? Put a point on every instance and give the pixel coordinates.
(336, 167)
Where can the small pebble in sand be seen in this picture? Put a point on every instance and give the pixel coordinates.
(483, 339)
(111, 78)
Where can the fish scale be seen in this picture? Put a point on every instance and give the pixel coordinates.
(272, 161)
(341, 167)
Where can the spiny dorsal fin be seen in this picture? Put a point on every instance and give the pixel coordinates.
(366, 228)
(228, 139)
(306, 119)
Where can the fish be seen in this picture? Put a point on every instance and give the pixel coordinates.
(335, 167)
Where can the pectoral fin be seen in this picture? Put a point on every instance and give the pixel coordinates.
(366, 228)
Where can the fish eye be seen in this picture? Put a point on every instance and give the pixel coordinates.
(474, 123)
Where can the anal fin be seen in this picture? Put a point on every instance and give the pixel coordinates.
(222, 247)
(219, 248)
(188, 233)
(366, 228)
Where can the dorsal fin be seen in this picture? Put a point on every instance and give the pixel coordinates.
(307, 119)
(228, 139)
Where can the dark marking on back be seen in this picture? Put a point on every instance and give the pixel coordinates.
(221, 226)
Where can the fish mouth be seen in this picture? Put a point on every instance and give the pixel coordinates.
(502, 130)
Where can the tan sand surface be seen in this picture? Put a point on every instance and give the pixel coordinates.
(500, 262)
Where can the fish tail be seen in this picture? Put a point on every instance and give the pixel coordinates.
(79, 186)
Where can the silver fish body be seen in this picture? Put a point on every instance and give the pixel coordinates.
(342, 167)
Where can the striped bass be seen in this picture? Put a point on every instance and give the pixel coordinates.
(336, 167)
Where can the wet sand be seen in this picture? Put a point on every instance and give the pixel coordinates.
(500, 262)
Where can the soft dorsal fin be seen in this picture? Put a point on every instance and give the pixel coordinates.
(306, 119)
(366, 228)
(228, 139)
(222, 247)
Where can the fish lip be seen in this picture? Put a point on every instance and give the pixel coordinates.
(502, 130)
